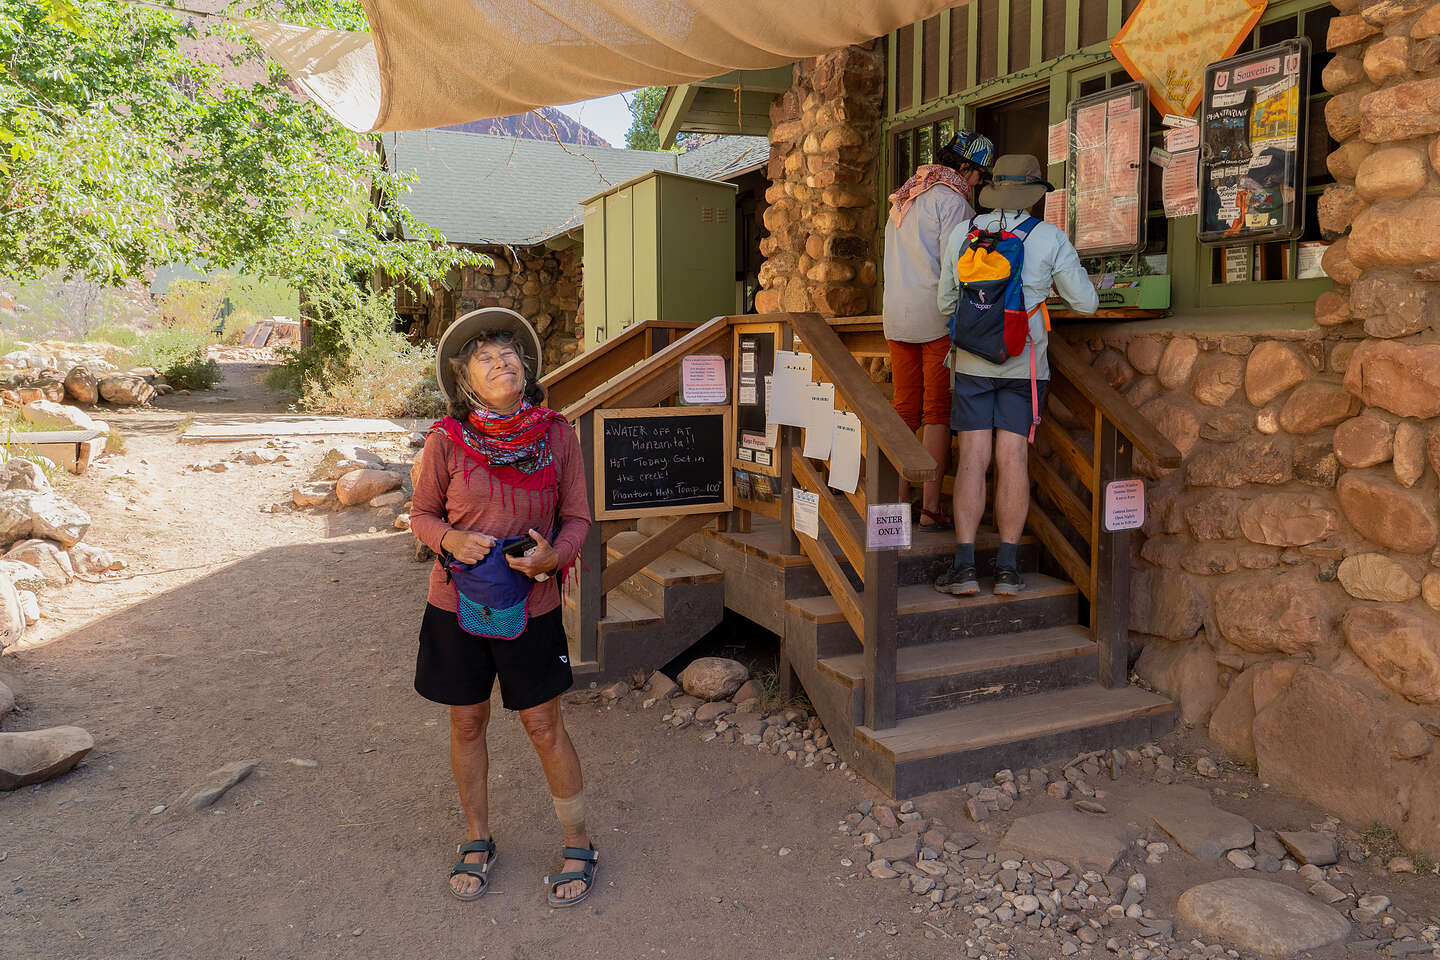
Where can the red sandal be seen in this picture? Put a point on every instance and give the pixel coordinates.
(939, 521)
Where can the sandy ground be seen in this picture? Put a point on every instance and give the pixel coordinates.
(237, 634)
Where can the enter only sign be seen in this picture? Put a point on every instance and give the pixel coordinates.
(887, 526)
(1124, 504)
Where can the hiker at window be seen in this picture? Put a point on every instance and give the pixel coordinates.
(500, 495)
(923, 212)
(1000, 399)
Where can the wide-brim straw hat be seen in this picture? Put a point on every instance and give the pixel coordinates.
(472, 325)
(1017, 183)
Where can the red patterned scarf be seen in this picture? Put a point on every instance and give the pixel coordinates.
(926, 176)
(514, 449)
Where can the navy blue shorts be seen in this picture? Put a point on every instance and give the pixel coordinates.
(993, 403)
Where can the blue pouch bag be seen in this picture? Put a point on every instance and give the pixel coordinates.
(491, 598)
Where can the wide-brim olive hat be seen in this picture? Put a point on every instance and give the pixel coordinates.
(1017, 183)
(473, 324)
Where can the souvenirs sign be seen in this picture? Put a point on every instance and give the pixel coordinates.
(1252, 145)
(1166, 44)
(1106, 171)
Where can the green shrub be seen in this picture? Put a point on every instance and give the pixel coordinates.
(116, 336)
(180, 355)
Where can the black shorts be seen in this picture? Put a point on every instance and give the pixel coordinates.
(993, 403)
(459, 669)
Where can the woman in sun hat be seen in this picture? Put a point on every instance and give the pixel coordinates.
(500, 495)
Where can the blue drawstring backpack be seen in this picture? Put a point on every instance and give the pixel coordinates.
(492, 600)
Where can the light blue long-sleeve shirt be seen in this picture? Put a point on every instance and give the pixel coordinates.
(913, 265)
(1050, 260)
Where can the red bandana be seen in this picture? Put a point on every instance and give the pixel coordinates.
(926, 176)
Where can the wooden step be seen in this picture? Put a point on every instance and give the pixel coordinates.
(670, 568)
(622, 612)
(939, 750)
(953, 673)
(927, 616)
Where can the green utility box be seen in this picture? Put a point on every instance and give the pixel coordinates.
(659, 246)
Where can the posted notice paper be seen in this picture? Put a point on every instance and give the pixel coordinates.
(702, 379)
(845, 452)
(791, 393)
(820, 421)
(806, 512)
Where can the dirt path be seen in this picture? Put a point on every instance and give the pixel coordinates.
(239, 634)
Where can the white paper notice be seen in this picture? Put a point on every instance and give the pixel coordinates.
(820, 421)
(702, 379)
(805, 512)
(1124, 504)
(791, 389)
(845, 452)
(887, 526)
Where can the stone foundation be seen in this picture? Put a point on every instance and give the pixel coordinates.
(545, 286)
(824, 136)
(1286, 580)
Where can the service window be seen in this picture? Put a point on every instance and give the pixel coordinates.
(915, 143)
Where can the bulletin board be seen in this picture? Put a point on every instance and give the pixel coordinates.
(754, 444)
(1252, 145)
(1106, 171)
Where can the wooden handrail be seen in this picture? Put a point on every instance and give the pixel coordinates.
(582, 373)
(851, 382)
(846, 531)
(650, 376)
(1114, 407)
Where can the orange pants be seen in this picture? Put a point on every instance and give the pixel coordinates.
(922, 381)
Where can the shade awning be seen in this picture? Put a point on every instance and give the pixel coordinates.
(444, 62)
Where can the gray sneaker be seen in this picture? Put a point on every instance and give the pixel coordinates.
(1008, 582)
(959, 581)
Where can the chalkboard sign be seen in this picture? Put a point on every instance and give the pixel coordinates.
(1252, 145)
(667, 461)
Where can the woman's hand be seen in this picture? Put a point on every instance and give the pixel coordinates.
(467, 546)
(542, 559)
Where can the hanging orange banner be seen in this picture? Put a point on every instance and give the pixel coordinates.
(1166, 44)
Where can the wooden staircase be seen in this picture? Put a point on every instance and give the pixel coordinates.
(652, 616)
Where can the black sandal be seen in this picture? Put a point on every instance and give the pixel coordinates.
(480, 871)
(556, 880)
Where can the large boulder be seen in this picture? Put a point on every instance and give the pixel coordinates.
(127, 390)
(1185, 672)
(1192, 820)
(713, 678)
(1165, 603)
(1316, 404)
(81, 386)
(1374, 576)
(18, 473)
(1272, 368)
(58, 416)
(1176, 362)
(1176, 423)
(49, 558)
(23, 576)
(1232, 717)
(25, 514)
(1409, 455)
(1363, 442)
(1403, 378)
(12, 615)
(360, 486)
(1401, 647)
(1217, 377)
(1287, 519)
(315, 493)
(1215, 516)
(1387, 514)
(1289, 614)
(1255, 459)
(39, 755)
(1262, 916)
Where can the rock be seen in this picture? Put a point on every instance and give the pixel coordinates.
(19, 473)
(1409, 454)
(1310, 846)
(1386, 514)
(12, 629)
(1385, 59)
(713, 678)
(709, 712)
(1344, 31)
(1217, 378)
(219, 781)
(1240, 860)
(1427, 25)
(316, 493)
(1410, 741)
(1393, 306)
(359, 486)
(615, 691)
(1227, 427)
(1400, 112)
(1215, 516)
(1230, 721)
(1401, 647)
(1185, 672)
(25, 513)
(392, 499)
(1287, 519)
(1374, 576)
(1339, 204)
(1261, 916)
(87, 559)
(7, 701)
(126, 390)
(1256, 459)
(1287, 614)
(1144, 354)
(81, 386)
(1344, 162)
(1313, 405)
(1165, 603)
(58, 416)
(30, 606)
(661, 687)
(1400, 865)
(1081, 840)
(1331, 310)
(1430, 590)
(1199, 827)
(39, 755)
(1363, 442)
(1114, 369)
(1176, 362)
(48, 558)
(1373, 904)
(1326, 892)
(1337, 264)
(898, 848)
(1400, 377)
(1175, 423)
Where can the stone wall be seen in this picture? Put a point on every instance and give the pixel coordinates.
(545, 286)
(824, 138)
